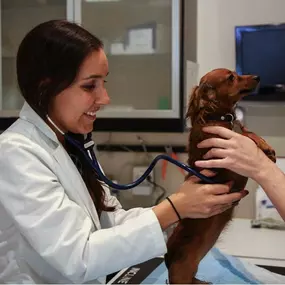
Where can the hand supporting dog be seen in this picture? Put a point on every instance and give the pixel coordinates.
(231, 151)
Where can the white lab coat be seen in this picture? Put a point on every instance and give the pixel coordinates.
(49, 229)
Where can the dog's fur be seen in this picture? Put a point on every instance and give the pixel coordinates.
(217, 94)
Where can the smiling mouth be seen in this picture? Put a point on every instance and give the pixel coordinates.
(92, 114)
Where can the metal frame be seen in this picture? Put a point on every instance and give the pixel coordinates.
(70, 10)
(138, 120)
(1, 66)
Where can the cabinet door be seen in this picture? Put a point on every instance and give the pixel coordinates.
(17, 18)
(142, 40)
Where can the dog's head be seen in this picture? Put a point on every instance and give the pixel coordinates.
(220, 89)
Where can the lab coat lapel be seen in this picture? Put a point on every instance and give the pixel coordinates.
(73, 183)
(77, 187)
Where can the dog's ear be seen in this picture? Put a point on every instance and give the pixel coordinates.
(194, 102)
(208, 93)
(199, 97)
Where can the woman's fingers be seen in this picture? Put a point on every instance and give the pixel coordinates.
(214, 142)
(221, 210)
(206, 172)
(217, 209)
(213, 163)
(217, 153)
(218, 189)
(221, 131)
(231, 197)
(230, 201)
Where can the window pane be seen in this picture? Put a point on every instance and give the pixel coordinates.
(137, 39)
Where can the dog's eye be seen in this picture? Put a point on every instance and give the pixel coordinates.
(231, 77)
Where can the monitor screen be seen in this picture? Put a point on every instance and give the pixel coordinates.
(260, 50)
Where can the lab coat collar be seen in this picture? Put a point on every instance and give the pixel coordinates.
(28, 113)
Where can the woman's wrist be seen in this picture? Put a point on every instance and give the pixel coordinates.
(165, 212)
(272, 180)
(263, 171)
(269, 174)
(174, 208)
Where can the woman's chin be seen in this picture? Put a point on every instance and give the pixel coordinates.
(88, 128)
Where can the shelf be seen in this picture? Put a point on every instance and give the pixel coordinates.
(261, 104)
(138, 55)
(9, 56)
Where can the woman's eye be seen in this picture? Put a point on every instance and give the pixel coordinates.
(89, 87)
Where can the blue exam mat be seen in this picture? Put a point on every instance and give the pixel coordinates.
(216, 268)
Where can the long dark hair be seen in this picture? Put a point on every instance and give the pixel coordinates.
(48, 60)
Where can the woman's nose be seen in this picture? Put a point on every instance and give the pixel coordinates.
(103, 99)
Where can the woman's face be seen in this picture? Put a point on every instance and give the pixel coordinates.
(75, 108)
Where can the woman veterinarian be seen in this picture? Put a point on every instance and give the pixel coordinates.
(58, 223)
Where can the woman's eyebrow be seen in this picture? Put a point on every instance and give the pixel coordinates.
(95, 76)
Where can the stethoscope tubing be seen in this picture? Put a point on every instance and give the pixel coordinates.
(92, 160)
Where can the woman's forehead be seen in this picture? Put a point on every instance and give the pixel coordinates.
(95, 64)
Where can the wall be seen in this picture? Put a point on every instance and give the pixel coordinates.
(216, 22)
(215, 48)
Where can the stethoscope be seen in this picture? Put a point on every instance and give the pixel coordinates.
(87, 150)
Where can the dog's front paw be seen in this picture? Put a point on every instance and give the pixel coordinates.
(262, 144)
(270, 153)
(197, 281)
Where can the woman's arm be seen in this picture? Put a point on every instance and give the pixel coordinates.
(191, 200)
(63, 235)
(58, 230)
(240, 154)
(272, 180)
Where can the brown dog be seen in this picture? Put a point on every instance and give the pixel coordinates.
(211, 103)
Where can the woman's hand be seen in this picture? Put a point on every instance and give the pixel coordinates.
(193, 200)
(233, 151)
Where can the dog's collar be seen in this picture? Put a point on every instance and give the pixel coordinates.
(229, 117)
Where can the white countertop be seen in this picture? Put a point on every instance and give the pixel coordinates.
(258, 245)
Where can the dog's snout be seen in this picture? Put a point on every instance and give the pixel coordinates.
(256, 78)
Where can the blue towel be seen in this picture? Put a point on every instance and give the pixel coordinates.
(219, 268)
(216, 267)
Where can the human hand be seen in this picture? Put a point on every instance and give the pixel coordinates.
(232, 151)
(193, 200)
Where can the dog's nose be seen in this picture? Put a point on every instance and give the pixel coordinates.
(257, 78)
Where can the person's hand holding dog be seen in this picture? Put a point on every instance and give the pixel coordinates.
(240, 154)
(194, 200)
(233, 151)
(205, 200)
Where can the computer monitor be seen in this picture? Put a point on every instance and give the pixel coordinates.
(260, 50)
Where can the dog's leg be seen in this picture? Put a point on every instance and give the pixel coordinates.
(260, 142)
(180, 259)
(189, 243)
(183, 270)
